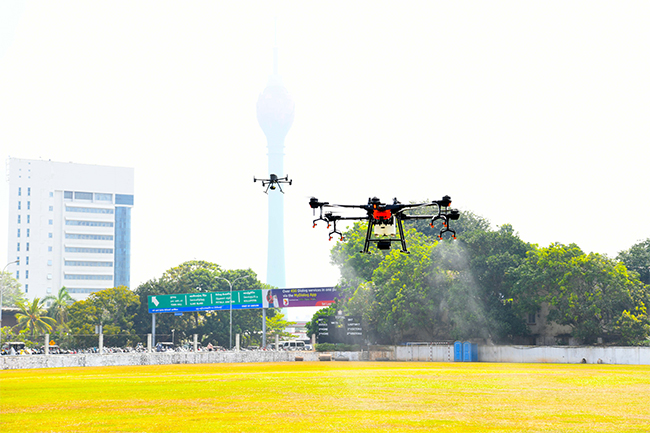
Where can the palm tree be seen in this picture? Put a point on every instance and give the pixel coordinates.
(59, 308)
(33, 316)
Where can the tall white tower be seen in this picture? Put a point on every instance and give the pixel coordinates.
(275, 111)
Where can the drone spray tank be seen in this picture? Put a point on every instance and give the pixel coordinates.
(275, 111)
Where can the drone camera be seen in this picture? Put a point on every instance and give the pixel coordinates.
(454, 214)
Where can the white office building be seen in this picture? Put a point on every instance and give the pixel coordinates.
(69, 225)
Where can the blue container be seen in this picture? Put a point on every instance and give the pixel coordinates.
(470, 352)
(458, 351)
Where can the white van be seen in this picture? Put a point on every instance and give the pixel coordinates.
(292, 345)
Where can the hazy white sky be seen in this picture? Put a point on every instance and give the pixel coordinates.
(530, 113)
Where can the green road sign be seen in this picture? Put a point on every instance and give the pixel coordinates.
(185, 302)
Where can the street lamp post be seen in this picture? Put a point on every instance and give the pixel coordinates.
(230, 284)
(2, 289)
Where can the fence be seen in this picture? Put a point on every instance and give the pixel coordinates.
(423, 353)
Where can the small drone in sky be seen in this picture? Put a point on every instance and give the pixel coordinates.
(384, 220)
(273, 182)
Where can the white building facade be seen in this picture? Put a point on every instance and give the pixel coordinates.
(69, 225)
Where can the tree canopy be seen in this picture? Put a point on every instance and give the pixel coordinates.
(12, 294)
(485, 284)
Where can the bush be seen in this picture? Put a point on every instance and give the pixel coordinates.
(338, 347)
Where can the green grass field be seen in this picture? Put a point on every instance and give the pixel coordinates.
(328, 397)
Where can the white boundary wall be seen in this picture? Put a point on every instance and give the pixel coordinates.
(568, 355)
(549, 354)
(422, 353)
(9, 362)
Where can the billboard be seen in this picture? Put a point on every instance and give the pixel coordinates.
(242, 299)
(306, 297)
(340, 329)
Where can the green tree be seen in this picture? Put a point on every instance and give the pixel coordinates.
(594, 295)
(112, 308)
(59, 307)
(12, 295)
(441, 290)
(276, 325)
(32, 316)
(637, 259)
(491, 257)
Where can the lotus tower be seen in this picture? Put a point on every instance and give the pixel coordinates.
(275, 111)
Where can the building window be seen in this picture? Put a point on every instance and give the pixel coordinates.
(26, 275)
(51, 194)
(89, 237)
(26, 246)
(28, 219)
(49, 276)
(49, 262)
(27, 260)
(20, 191)
(88, 277)
(89, 223)
(89, 250)
(18, 219)
(87, 263)
(51, 208)
(88, 210)
(17, 275)
(29, 191)
(18, 232)
(29, 205)
(49, 235)
(83, 195)
(67, 195)
(50, 222)
(49, 249)
(26, 288)
(532, 319)
(19, 205)
(104, 197)
(18, 246)
(27, 232)
(49, 290)
(124, 199)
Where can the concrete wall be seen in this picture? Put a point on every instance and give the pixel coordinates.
(117, 359)
(568, 355)
(424, 353)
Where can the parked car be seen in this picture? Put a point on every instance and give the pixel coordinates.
(17, 346)
(292, 345)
